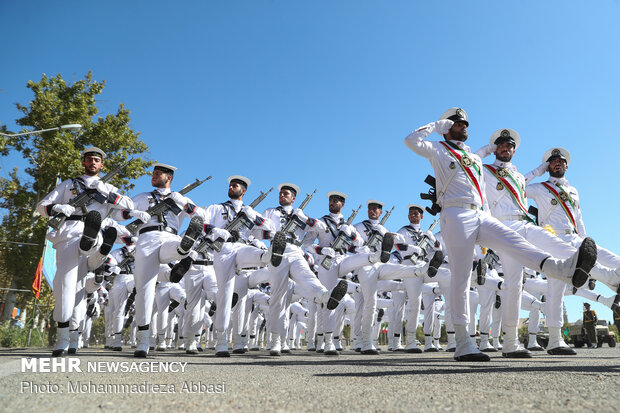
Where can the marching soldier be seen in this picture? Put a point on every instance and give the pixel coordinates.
(465, 221)
(235, 253)
(341, 264)
(294, 265)
(79, 236)
(158, 243)
(558, 208)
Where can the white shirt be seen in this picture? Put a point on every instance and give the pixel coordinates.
(550, 212)
(66, 191)
(459, 188)
(219, 216)
(501, 204)
(145, 200)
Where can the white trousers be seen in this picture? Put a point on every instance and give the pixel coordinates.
(295, 266)
(152, 249)
(461, 230)
(123, 284)
(232, 258)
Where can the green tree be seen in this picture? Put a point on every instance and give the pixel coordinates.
(49, 154)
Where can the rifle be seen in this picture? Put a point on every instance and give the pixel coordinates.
(167, 204)
(490, 260)
(240, 221)
(85, 197)
(375, 237)
(294, 223)
(130, 257)
(340, 240)
(423, 243)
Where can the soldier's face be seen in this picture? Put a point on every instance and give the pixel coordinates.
(505, 151)
(557, 167)
(236, 190)
(160, 179)
(415, 216)
(286, 197)
(458, 131)
(92, 165)
(374, 211)
(335, 205)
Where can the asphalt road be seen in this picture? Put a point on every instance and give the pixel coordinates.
(302, 381)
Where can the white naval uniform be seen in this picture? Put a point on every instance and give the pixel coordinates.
(293, 265)
(413, 234)
(156, 247)
(504, 208)
(123, 286)
(369, 276)
(551, 213)
(233, 256)
(464, 223)
(70, 263)
(429, 292)
(341, 264)
(199, 283)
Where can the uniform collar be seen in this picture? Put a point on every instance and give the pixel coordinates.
(336, 217)
(415, 226)
(507, 165)
(461, 145)
(559, 181)
(89, 179)
(237, 203)
(163, 191)
(288, 209)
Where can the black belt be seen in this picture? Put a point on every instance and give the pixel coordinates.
(203, 262)
(158, 228)
(125, 272)
(76, 218)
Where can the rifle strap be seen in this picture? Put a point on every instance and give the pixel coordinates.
(229, 212)
(331, 225)
(416, 234)
(367, 227)
(284, 217)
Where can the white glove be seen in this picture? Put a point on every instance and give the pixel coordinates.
(64, 209)
(101, 187)
(300, 214)
(399, 239)
(259, 244)
(362, 250)
(443, 126)
(179, 199)
(218, 233)
(380, 229)
(486, 150)
(249, 212)
(541, 169)
(347, 230)
(328, 252)
(141, 215)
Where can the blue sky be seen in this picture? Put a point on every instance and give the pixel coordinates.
(322, 93)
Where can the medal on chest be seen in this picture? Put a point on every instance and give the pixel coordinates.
(466, 161)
